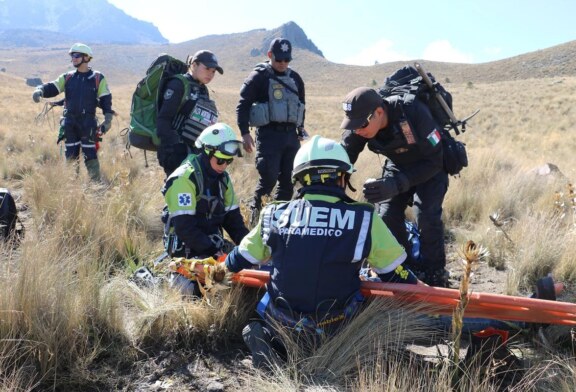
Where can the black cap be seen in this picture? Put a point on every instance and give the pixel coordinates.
(358, 105)
(207, 58)
(281, 48)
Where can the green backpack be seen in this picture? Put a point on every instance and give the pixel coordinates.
(144, 109)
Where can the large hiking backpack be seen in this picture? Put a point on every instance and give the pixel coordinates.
(8, 215)
(410, 84)
(144, 109)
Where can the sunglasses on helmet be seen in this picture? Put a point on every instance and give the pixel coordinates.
(230, 148)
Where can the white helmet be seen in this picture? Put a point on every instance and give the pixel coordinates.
(219, 140)
(81, 48)
(320, 159)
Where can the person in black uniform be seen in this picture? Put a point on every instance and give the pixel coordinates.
(272, 99)
(413, 173)
(84, 90)
(185, 110)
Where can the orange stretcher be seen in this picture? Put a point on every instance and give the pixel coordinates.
(436, 300)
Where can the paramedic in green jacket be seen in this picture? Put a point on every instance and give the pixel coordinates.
(200, 198)
(85, 90)
(316, 244)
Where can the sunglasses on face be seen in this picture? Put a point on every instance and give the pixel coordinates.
(368, 119)
(283, 61)
(76, 55)
(221, 161)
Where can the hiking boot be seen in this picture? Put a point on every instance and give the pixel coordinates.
(93, 167)
(258, 342)
(436, 277)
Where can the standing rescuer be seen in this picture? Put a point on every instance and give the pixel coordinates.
(413, 173)
(272, 100)
(85, 90)
(179, 124)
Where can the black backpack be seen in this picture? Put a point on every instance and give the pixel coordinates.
(412, 82)
(8, 216)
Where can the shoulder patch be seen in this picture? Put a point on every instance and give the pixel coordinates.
(184, 199)
(168, 94)
(434, 137)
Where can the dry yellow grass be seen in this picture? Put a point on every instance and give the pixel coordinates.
(66, 295)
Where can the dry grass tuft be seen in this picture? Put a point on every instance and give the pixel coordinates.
(365, 351)
(160, 316)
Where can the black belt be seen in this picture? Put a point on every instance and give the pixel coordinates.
(286, 127)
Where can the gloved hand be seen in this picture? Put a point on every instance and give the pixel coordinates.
(385, 188)
(37, 94)
(107, 124)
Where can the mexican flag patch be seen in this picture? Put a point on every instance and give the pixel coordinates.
(434, 137)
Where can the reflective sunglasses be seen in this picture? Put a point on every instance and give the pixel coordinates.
(221, 161)
(76, 55)
(368, 119)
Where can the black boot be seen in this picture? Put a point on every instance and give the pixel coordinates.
(258, 341)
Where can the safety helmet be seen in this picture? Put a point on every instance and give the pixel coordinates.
(81, 48)
(220, 141)
(319, 160)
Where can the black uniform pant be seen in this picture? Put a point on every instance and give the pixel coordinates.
(80, 133)
(276, 148)
(427, 201)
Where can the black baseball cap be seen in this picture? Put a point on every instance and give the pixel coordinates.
(207, 58)
(358, 105)
(281, 48)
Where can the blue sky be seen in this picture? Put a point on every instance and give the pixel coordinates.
(365, 31)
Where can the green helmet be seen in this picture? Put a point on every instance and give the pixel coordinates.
(81, 48)
(320, 159)
(219, 140)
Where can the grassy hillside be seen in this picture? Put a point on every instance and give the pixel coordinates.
(70, 319)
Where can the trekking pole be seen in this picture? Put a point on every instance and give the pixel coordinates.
(453, 120)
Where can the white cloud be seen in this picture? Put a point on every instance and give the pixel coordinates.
(382, 52)
(445, 52)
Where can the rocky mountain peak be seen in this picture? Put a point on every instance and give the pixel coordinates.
(293, 33)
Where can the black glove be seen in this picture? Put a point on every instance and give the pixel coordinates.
(385, 188)
(171, 156)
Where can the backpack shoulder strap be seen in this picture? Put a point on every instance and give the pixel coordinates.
(97, 77)
(197, 176)
(187, 104)
(69, 75)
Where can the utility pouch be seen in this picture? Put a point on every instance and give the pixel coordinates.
(259, 114)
